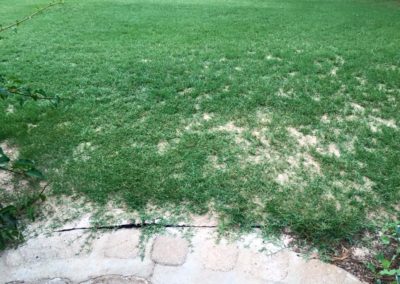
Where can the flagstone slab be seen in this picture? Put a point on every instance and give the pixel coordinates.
(115, 257)
(169, 250)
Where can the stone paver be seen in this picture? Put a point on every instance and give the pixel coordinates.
(55, 256)
(115, 258)
(261, 267)
(204, 220)
(45, 248)
(219, 257)
(44, 281)
(315, 271)
(122, 244)
(169, 250)
(116, 279)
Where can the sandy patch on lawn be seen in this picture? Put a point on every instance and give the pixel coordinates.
(376, 123)
(303, 140)
(229, 127)
(82, 151)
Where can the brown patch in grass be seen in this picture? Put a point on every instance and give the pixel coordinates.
(357, 108)
(282, 178)
(186, 91)
(378, 122)
(303, 140)
(285, 94)
(162, 147)
(270, 57)
(215, 164)
(207, 116)
(333, 150)
(325, 118)
(229, 127)
(82, 151)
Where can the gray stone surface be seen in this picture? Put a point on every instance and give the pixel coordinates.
(262, 267)
(315, 271)
(116, 279)
(123, 243)
(43, 248)
(44, 281)
(169, 250)
(59, 256)
(218, 257)
(114, 258)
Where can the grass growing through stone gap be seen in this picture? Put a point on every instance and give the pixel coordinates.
(279, 113)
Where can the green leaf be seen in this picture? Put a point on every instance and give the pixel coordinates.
(23, 164)
(42, 197)
(371, 267)
(21, 100)
(34, 173)
(385, 240)
(30, 212)
(388, 272)
(35, 97)
(41, 92)
(56, 101)
(3, 157)
(4, 93)
(386, 263)
(8, 216)
(27, 91)
(380, 257)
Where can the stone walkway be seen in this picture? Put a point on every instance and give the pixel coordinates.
(114, 257)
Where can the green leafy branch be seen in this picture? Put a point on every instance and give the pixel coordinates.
(10, 215)
(18, 22)
(20, 166)
(10, 89)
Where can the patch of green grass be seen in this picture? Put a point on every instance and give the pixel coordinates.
(278, 113)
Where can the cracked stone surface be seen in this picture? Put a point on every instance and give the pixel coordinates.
(170, 250)
(114, 257)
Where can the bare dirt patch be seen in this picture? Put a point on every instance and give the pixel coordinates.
(82, 151)
(303, 140)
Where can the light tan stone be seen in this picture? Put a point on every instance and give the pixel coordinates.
(250, 259)
(43, 248)
(169, 250)
(219, 257)
(116, 279)
(44, 281)
(123, 243)
(207, 220)
(262, 267)
(316, 271)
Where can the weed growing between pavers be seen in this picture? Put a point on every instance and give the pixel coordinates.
(277, 113)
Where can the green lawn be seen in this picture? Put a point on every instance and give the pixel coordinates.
(283, 113)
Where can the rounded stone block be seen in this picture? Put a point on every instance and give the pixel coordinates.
(169, 250)
(219, 257)
(122, 244)
(116, 279)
